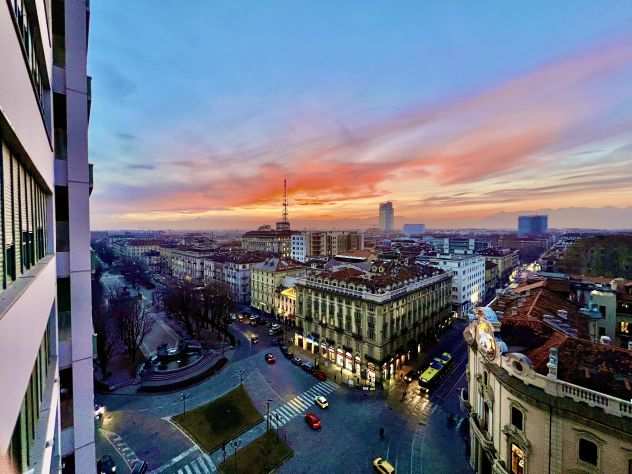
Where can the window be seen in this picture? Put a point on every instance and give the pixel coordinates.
(517, 418)
(588, 451)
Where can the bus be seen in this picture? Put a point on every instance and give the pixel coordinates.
(430, 376)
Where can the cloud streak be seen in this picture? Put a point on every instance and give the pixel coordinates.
(527, 122)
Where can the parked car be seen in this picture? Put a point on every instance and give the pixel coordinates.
(106, 465)
(284, 349)
(411, 375)
(307, 366)
(296, 361)
(321, 401)
(274, 331)
(382, 466)
(140, 467)
(312, 420)
(254, 339)
(320, 375)
(270, 358)
(99, 410)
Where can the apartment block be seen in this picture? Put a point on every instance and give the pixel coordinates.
(233, 269)
(307, 244)
(468, 282)
(368, 323)
(47, 409)
(267, 277)
(542, 396)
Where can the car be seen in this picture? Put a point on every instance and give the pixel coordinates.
(106, 465)
(273, 331)
(254, 339)
(411, 375)
(307, 366)
(321, 401)
(270, 358)
(275, 326)
(312, 420)
(320, 375)
(99, 410)
(140, 467)
(445, 358)
(382, 466)
(284, 349)
(297, 361)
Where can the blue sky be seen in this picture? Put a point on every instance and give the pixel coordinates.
(196, 103)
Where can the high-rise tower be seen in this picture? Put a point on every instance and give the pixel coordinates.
(387, 216)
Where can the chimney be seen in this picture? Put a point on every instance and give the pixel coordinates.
(552, 364)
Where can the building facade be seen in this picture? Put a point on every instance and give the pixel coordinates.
(387, 216)
(541, 399)
(414, 230)
(308, 244)
(47, 409)
(468, 279)
(368, 323)
(278, 242)
(533, 225)
(184, 263)
(505, 259)
(233, 269)
(266, 279)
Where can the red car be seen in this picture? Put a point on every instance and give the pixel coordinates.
(270, 358)
(320, 375)
(312, 420)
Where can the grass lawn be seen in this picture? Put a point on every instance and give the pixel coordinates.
(259, 457)
(220, 420)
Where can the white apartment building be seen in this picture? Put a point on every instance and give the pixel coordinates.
(468, 279)
(137, 248)
(46, 375)
(307, 244)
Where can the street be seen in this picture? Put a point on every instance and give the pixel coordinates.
(419, 437)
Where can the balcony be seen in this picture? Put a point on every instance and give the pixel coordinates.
(479, 428)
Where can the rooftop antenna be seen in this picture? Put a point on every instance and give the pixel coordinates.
(284, 219)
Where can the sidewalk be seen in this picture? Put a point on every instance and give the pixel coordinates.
(243, 440)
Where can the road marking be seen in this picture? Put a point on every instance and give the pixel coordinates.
(195, 468)
(299, 404)
(128, 455)
(176, 460)
(187, 469)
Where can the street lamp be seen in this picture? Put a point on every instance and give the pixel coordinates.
(183, 397)
(268, 415)
(236, 444)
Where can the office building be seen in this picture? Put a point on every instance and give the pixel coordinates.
(266, 239)
(457, 245)
(533, 225)
(541, 396)
(308, 244)
(468, 278)
(414, 230)
(370, 322)
(387, 216)
(46, 375)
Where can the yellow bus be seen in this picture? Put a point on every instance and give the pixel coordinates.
(430, 376)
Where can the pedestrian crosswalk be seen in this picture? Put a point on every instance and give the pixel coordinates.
(299, 404)
(200, 465)
(191, 461)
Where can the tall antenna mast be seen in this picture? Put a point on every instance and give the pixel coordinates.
(284, 200)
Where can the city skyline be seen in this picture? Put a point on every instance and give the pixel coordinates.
(477, 116)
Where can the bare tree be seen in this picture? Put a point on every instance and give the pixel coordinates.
(131, 319)
(217, 304)
(106, 342)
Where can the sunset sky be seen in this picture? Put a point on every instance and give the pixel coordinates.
(458, 112)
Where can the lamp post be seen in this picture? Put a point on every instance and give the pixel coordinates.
(268, 415)
(183, 397)
(236, 444)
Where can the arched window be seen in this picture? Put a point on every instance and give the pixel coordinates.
(588, 451)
